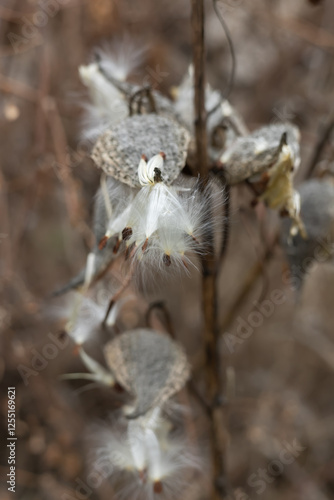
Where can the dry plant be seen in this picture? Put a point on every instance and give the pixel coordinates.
(175, 164)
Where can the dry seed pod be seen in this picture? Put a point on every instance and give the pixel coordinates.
(119, 149)
(119, 196)
(317, 213)
(149, 365)
(259, 151)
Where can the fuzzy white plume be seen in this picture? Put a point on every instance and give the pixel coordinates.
(85, 319)
(166, 223)
(155, 461)
(108, 102)
(184, 98)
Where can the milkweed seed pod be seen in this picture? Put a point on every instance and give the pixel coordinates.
(224, 124)
(317, 213)
(144, 457)
(119, 150)
(268, 158)
(149, 365)
(111, 202)
(184, 100)
(164, 224)
(259, 151)
(113, 98)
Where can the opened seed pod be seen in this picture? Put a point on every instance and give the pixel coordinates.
(149, 365)
(317, 212)
(119, 150)
(259, 151)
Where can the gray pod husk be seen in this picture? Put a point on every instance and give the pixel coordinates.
(257, 152)
(149, 365)
(118, 151)
(317, 213)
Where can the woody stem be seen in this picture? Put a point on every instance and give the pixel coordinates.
(209, 276)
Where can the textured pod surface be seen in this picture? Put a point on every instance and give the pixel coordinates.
(317, 212)
(259, 151)
(149, 365)
(119, 149)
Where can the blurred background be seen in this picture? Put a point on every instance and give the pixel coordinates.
(278, 375)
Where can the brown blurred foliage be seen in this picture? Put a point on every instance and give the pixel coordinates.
(279, 380)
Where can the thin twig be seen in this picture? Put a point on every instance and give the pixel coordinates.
(199, 83)
(248, 284)
(209, 281)
(116, 296)
(323, 140)
(229, 86)
(10, 86)
(226, 222)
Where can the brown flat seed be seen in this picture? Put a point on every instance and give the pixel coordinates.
(145, 245)
(157, 487)
(126, 233)
(103, 242)
(117, 245)
(185, 264)
(167, 260)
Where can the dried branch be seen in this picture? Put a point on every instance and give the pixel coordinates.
(199, 83)
(10, 86)
(230, 82)
(251, 279)
(320, 146)
(209, 282)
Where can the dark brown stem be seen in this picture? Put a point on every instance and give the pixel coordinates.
(116, 296)
(226, 224)
(323, 140)
(199, 81)
(209, 282)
